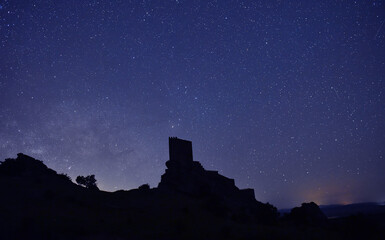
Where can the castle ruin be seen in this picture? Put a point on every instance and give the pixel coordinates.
(185, 175)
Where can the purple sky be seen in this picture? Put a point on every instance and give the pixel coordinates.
(286, 97)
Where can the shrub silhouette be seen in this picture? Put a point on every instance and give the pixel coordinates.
(88, 182)
(65, 177)
(144, 187)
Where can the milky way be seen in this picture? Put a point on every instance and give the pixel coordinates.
(286, 97)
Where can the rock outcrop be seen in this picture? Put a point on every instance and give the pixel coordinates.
(308, 214)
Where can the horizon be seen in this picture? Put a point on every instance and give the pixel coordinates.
(286, 98)
(279, 208)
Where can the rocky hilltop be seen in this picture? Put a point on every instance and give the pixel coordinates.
(189, 203)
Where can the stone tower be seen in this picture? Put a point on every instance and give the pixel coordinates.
(180, 150)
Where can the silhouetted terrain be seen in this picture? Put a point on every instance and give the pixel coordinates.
(351, 209)
(190, 203)
(337, 210)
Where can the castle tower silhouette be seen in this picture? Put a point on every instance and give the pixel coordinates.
(180, 150)
(188, 176)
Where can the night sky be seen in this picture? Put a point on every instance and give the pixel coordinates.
(286, 97)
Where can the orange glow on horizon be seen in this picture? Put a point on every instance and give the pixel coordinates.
(329, 194)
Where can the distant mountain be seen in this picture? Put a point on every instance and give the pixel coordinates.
(339, 210)
(351, 209)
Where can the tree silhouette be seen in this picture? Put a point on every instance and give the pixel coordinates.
(88, 182)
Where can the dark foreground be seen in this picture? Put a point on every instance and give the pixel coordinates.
(38, 203)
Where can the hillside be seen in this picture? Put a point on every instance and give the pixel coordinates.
(38, 202)
(190, 203)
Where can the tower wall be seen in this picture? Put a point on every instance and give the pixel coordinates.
(180, 150)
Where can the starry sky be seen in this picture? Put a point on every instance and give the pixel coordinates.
(286, 97)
